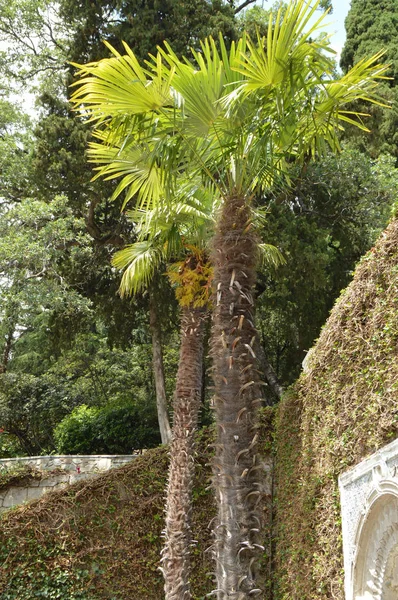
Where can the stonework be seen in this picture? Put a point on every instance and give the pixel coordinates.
(62, 471)
(369, 505)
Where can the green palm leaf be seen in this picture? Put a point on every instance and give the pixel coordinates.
(140, 262)
(271, 256)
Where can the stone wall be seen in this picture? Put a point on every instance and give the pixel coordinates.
(58, 472)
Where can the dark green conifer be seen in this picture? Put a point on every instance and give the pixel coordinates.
(371, 25)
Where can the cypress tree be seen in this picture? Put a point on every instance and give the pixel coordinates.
(372, 25)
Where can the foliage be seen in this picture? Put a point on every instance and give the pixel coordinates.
(35, 43)
(326, 424)
(101, 539)
(148, 171)
(112, 429)
(39, 244)
(29, 410)
(179, 228)
(332, 214)
(9, 447)
(192, 279)
(373, 25)
(16, 142)
(16, 473)
(144, 26)
(59, 348)
(88, 372)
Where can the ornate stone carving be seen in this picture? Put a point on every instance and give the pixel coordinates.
(369, 501)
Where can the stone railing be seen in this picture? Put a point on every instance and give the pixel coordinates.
(62, 471)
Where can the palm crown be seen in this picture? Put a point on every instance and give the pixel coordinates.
(165, 234)
(233, 117)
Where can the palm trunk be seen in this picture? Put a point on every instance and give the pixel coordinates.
(237, 399)
(176, 553)
(158, 373)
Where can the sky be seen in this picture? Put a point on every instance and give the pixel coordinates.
(336, 24)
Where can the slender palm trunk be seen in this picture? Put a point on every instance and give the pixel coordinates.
(237, 399)
(158, 373)
(176, 553)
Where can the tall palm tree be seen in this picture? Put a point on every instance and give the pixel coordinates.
(170, 231)
(234, 119)
(181, 229)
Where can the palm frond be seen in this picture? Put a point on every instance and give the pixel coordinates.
(271, 256)
(119, 85)
(139, 261)
(268, 63)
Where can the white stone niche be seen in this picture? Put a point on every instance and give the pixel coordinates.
(369, 505)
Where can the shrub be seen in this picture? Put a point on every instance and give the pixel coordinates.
(112, 429)
(9, 447)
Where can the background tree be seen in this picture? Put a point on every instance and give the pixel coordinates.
(16, 141)
(59, 349)
(372, 25)
(333, 213)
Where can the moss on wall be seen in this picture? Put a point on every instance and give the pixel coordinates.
(343, 408)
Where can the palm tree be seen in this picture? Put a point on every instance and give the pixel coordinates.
(233, 119)
(169, 231)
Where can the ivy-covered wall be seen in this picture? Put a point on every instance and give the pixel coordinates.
(342, 409)
(101, 539)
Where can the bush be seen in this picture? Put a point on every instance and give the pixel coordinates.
(112, 429)
(9, 447)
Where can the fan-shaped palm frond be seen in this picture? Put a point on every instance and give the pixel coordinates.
(271, 256)
(140, 261)
(141, 178)
(119, 85)
(165, 233)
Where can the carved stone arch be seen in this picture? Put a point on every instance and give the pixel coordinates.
(376, 561)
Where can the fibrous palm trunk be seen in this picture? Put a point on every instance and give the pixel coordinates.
(237, 399)
(158, 373)
(176, 553)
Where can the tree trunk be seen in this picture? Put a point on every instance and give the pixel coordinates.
(7, 351)
(270, 375)
(237, 472)
(158, 373)
(12, 322)
(176, 553)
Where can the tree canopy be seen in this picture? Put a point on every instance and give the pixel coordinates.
(373, 25)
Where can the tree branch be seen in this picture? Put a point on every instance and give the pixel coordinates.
(242, 6)
(112, 238)
(56, 42)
